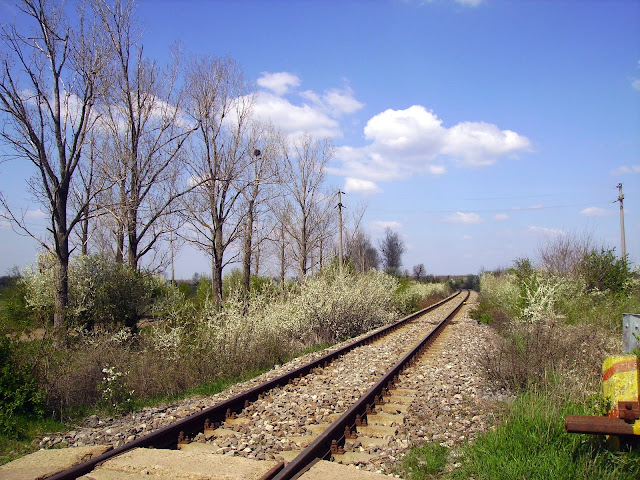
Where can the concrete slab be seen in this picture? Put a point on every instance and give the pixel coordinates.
(387, 419)
(113, 475)
(400, 399)
(45, 463)
(393, 407)
(288, 455)
(199, 447)
(181, 465)
(379, 431)
(369, 441)
(353, 457)
(318, 428)
(237, 421)
(324, 470)
(403, 392)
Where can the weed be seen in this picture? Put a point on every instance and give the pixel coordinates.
(424, 462)
(531, 444)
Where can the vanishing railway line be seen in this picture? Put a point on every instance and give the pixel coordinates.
(320, 410)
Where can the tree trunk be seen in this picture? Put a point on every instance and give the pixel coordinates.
(217, 271)
(283, 265)
(84, 231)
(246, 258)
(132, 237)
(61, 298)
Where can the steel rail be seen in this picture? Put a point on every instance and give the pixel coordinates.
(167, 437)
(320, 448)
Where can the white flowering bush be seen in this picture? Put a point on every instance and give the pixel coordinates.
(500, 292)
(113, 390)
(538, 297)
(334, 306)
(101, 291)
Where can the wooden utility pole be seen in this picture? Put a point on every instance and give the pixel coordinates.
(340, 228)
(620, 199)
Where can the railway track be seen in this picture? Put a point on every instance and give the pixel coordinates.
(327, 409)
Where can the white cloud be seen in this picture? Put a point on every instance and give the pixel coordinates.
(636, 83)
(467, 237)
(476, 144)
(34, 214)
(360, 186)
(294, 119)
(335, 101)
(414, 141)
(317, 114)
(545, 230)
(595, 212)
(625, 170)
(500, 217)
(464, 218)
(470, 3)
(279, 82)
(381, 225)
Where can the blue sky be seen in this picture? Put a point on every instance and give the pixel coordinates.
(476, 129)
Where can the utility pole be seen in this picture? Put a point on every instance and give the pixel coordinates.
(340, 206)
(620, 199)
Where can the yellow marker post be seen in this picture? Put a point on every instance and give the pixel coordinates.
(621, 386)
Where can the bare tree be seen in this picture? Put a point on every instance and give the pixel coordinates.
(361, 251)
(261, 175)
(51, 80)
(563, 254)
(219, 102)
(391, 247)
(279, 240)
(148, 132)
(419, 272)
(303, 176)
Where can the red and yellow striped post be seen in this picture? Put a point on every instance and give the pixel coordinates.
(621, 386)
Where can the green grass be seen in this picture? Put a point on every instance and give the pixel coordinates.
(531, 444)
(424, 462)
(29, 428)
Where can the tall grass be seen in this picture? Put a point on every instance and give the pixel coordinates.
(531, 444)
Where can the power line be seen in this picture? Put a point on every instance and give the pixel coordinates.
(506, 209)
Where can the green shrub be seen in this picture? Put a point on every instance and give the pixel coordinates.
(603, 271)
(101, 291)
(15, 311)
(19, 391)
(410, 295)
